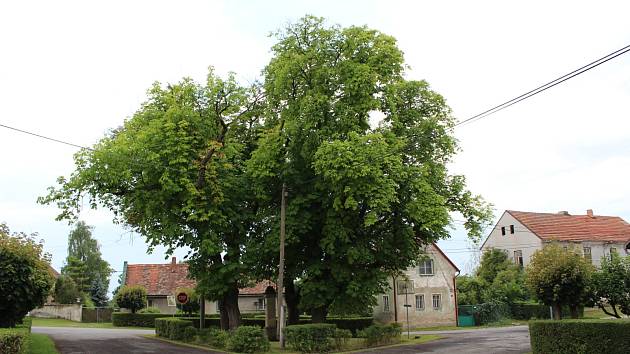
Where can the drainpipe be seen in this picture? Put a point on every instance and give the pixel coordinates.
(455, 292)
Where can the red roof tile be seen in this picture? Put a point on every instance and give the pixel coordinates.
(564, 227)
(164, 279)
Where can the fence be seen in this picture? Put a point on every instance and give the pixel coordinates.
(97, 314)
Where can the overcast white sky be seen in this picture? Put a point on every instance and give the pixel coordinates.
(73, 70)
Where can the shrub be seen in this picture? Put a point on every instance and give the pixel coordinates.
(25, 278)
(527, 311)
(354, 324)
(248, 339)
(491, 312)
(341, 337)
(214, 337)
(172, 328)
(310, 338)
(150, 310)
(580, 336)
(190, 333)
(16, 340)
(132, 297)
(379, 334)
(66, 291)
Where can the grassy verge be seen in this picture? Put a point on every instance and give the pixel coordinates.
(503, 323)
(59, 322)
(355, 344)
(42, 344)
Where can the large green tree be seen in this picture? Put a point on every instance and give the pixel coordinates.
(174, 172)
(25, 275)
(559, 277)
(363, 200)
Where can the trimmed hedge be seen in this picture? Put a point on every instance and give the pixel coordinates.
(580, 336)
(124, 319)
(310, 338)
(172, 328)
(16, 340)
(354, 324)
(527, 311)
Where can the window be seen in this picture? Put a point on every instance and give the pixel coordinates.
(512, 229)
(587, 254)
(260, 304)
(405, 287)
(386, 303)
(426, 267)
(420, 302)
(518, 257)
(150, 303)
(502, 230)
(437, 301)
(613, 250)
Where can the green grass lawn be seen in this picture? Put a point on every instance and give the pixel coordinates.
(59, 322)
(503, 323)
(42, 344)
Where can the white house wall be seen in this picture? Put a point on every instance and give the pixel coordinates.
(442, 282)
(522, 239)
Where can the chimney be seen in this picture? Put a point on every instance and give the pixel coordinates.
(589, 212)
(563, 212)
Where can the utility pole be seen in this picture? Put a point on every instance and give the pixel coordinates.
(281, 266)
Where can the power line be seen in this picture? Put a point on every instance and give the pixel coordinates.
(546, 86)
(45, 137)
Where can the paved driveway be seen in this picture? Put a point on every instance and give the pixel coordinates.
(475, 341)
(110, 341)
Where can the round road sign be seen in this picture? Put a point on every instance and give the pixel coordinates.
(182, 298)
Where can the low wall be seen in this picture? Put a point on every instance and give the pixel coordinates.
(69, 312)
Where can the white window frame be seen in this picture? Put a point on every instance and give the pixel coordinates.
(421, 297)
(518, 258)
(386, 307)
(588, 255)
(423, 265)
(410, 287)
(439, 298)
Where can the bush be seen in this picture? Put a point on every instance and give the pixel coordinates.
(310, 338)
(124, 319)
(354, 324)
(131, 297)
(491, 312)
(248, 339)
(580, 336)
(214, 337)
(341, 337)
(172, 328)
(527, 311)
(379, 334)
(25, 278)
(190, 333)
(150, 310)
(16, 340)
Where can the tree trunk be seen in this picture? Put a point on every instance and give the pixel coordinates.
(223, 316)
(574, 311)
(319, 314)
(292, 298)
(230, 303)
(557, 311)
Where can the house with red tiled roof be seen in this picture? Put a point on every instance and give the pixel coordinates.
(427, 291)
(162, 281)
(520, 234)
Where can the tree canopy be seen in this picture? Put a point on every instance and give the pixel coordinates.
(25, 275)
(559, 277)
(202, 165)
(610, 288)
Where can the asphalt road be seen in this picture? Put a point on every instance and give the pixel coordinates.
(475, 341)
(110, 341)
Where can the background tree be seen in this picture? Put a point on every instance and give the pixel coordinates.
(492, 262)
(362, 201)
(84, 262)
(133, 298)
(25, 276)
(66, 290)
(611, 285)
(174, 174)
(470, 290)
(559, 277)
(98, 292)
